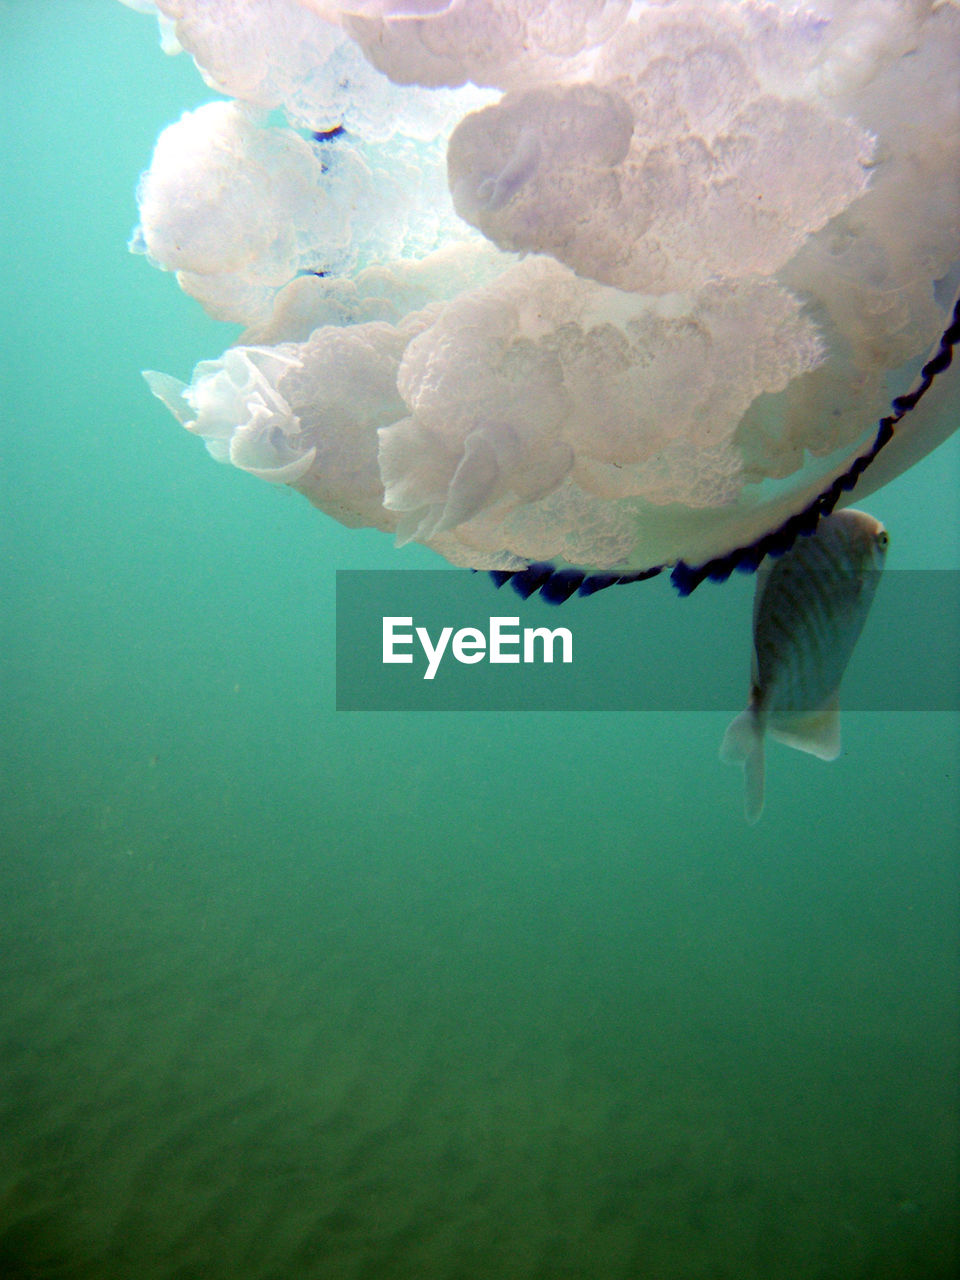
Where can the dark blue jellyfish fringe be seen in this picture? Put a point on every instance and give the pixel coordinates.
(556, 585)
(687, 578)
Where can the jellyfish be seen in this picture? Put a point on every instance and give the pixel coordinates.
(575, 292)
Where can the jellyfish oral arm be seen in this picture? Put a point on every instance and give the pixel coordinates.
(570, 292)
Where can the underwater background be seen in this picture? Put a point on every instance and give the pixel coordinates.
(287, 992)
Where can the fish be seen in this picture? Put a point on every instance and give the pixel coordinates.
(809, 608)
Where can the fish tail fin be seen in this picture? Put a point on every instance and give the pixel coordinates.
(743, 744)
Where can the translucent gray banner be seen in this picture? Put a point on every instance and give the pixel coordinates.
(448, 640)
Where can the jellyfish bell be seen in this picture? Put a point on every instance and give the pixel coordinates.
(575, 292)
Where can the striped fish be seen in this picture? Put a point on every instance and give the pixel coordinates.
(809, 608)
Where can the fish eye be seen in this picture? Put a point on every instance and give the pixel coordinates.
(883, 539)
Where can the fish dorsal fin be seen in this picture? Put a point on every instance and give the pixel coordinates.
(816, 732)
(761, 577)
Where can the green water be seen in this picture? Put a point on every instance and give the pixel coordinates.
(286, 993)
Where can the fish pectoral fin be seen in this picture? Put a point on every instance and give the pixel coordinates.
(816, 732)
(743, 744)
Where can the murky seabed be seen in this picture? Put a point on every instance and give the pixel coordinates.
(454, 1053)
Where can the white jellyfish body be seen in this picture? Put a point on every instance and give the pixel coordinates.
(607, 284)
